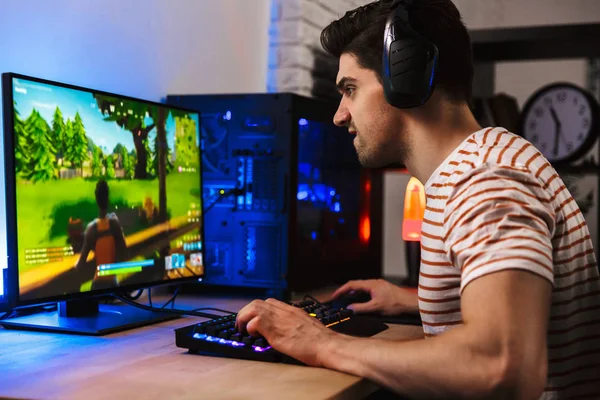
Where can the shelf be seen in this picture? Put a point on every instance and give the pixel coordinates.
(536, 43)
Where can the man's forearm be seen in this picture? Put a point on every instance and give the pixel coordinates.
(450, 365)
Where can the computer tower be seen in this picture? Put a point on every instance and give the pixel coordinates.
(288, 208)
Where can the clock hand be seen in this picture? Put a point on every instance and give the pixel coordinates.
(558, 126)
(554, 116)
(557, 134)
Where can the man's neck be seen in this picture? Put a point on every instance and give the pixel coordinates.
(434, 139)
(102, 214)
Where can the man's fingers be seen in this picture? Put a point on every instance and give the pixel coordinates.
(347, 287)
(276, 303)
(363, 307)
(350, 286)
(246, 314)
(254, 326)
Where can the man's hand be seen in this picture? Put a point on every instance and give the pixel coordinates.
(290, 330)
(386, 298)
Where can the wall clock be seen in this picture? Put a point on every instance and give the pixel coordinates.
(561, 120)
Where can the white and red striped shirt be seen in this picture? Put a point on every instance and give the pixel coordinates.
(494, 204)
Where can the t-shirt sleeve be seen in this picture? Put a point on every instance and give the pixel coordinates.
(499, 218)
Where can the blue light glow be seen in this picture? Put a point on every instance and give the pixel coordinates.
(336, 207)
(232, 343)
(332, 193)
(302, 122)
(227, 116)
(302, 195)
(313, 235)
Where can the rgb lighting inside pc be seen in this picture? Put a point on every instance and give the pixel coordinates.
(106, 191)
(326, 207)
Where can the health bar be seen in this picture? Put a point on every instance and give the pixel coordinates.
(119, 271)
(129, 264)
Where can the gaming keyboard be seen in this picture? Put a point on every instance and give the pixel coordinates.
(218, 337)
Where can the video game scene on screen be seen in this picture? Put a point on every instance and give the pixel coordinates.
(107, 191)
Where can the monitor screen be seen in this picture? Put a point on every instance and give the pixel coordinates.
(103, 191)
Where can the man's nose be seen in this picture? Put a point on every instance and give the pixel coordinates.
(342, 116)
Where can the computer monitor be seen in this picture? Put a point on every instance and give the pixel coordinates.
(103, 194)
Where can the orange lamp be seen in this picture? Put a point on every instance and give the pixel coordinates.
(414, 210)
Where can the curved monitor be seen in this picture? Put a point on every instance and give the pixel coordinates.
(103, 191)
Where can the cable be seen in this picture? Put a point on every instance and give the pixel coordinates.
(131, 296)
(307, 296)
(223, 193)
(137, 295)
(30, 310)
(167, 310)
(7, 314)
(172, 299)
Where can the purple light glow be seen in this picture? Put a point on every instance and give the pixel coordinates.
(261, 349)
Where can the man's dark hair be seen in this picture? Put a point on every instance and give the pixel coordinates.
(102, 194)
(360, 32)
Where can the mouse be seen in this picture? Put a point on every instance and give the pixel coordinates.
(351, 297)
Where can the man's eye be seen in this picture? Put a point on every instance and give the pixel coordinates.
(349, 90)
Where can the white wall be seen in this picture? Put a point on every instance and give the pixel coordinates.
(481, 14)
(140, 48)
(294, 41)
(394, 248)
(519, 79)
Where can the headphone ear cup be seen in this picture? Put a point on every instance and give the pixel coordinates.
(409, 61)
(409, 75)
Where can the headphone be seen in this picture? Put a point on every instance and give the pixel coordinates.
(409, 60)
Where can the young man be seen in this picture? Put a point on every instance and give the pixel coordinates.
(509, 292)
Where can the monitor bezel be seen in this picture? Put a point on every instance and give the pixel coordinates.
(12, 285)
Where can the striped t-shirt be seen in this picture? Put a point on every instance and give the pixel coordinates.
(496, 203)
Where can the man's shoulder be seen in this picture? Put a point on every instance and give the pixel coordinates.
(500, 147)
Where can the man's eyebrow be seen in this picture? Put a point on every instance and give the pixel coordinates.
(345, 80)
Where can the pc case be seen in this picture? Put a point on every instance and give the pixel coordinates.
(304, 215)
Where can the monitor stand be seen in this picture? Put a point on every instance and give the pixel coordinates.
(87, 317)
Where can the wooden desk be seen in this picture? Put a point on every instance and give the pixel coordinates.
(144, 363)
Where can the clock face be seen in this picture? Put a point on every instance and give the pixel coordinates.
(561, 121)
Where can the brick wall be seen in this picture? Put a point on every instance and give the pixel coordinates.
(297, 62)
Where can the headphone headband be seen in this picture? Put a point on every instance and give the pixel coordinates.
(409, 60)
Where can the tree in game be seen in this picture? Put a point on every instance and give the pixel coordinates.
(78, 143)
(59, 135)
(22, 142)
(68, 154)
(110, 167)
(97, 162)
(186, 148)
(150, 171)
(119, 149)
(133, 162)
(134, 117)
(156, 155)
(131, 116)
(127, 162)
(42, 165)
